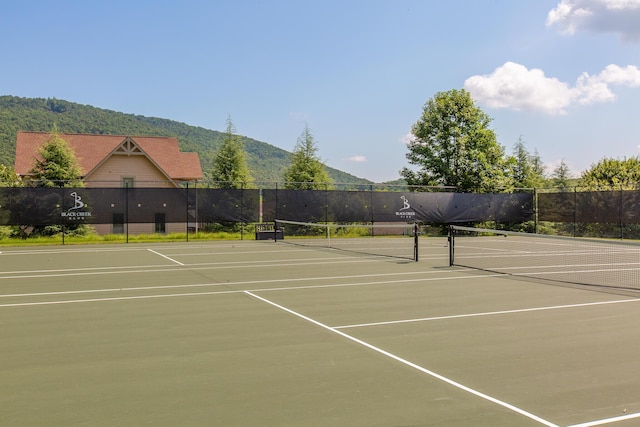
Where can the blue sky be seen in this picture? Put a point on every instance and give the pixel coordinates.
(561, 74)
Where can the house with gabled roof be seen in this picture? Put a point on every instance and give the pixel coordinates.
(108, 161)
(117, 160)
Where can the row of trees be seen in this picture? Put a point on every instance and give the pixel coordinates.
(306, 171)
(58, 165)
(453, 145)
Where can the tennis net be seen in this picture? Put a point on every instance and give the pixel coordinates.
(596, 262)
(388, 240)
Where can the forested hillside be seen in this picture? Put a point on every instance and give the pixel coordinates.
(265, 161)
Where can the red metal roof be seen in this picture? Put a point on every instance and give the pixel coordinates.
(91, 150)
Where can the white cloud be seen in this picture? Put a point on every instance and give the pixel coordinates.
(513, 86)
(357, 159)
(600, 16)
(627, 76)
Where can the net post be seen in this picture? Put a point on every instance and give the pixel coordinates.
(328, 235)
(415, 242)
(275, 231)
(451, 239)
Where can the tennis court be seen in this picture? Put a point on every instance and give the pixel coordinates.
(249, 333)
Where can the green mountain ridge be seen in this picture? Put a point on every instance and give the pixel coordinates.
(266, 162)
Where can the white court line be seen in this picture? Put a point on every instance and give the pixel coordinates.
(408, 363)
(26, 304)
(488, 313)
(247, 282)
(188, 294)
(78, 301)
(193, 267)
(164, 256)
(103, 248)
(81, 269)
(291, 288)
(212, 253)
(593, 270)
(607, 420)
(69, 251)
(287, 288)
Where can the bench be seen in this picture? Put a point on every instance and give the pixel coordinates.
(267, 231)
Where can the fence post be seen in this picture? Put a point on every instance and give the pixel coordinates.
(326, 203)
(196, 211)
(620, 213)
(276, 208)
(260, 204)
(371, 202)
(575, 210)
(494, 196)
(535, 210)
(62, 218)
(126, 211)
(242, 223)
(186, 223)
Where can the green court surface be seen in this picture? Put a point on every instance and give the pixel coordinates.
(253, 333)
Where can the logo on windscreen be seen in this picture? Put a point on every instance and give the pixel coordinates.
(76, 212)
(405, 211)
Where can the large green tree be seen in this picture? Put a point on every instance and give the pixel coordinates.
(57, 166)
(306, 171)
(612, 173)
(230, 168)
(453, 145)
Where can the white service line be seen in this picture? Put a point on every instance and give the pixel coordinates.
(192, 267)
(79, 301)
(164, 256)
(246, 282)
(607, 421)
(408, 363)
(488, 313)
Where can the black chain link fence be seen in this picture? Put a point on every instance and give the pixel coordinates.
(192, 207)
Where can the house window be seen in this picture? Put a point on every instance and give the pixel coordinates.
(161, 226)
(127, 182)
(118, 223)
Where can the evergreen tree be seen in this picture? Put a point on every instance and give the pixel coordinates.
(230, 168)
(528, 171)
(561, 175)
(539, 168)
(58, 166)
(306, 171)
